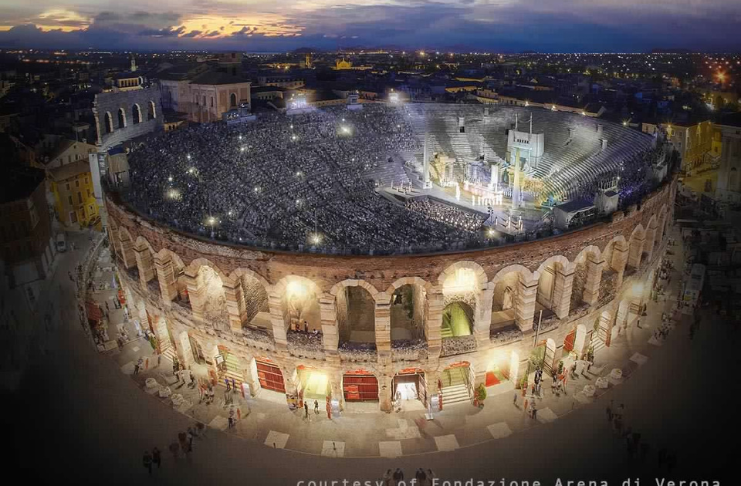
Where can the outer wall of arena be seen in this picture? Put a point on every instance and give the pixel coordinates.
(589, 283)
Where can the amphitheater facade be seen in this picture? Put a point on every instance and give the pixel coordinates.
(232, 310)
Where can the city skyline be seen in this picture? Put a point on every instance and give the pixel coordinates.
(456, 25)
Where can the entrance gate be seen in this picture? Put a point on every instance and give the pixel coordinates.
(414, 377)
(270, 376)
(360, 386)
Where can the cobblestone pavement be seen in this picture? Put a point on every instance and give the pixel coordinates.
(86, 420)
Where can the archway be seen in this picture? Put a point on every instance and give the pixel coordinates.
(255, 298)
(550, 296)
(313, 384)
(121, 118)
(356, 315)
(232, 100)
(457, 383)
(635, 247)
(359, 386)
(269, 375)
(581, 276)
(408, 303)
(300, 304)
(108, 122)
(212, 299)
(151, 113)
(457, 320)
(136, 114)
(409, 389)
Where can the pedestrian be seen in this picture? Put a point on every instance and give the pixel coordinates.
(147, 462)
(157, 457)
(189, 436)
(535, 412)
(420, 476)
(228, 385)
(524, 405)
(638, 323)
(514, 402)
(231, 418)
(159, 359)
(136, 367)
(234, 386)
(306, 410)
(316, 407)
(175, 449)
(108, 309)
(398, 475)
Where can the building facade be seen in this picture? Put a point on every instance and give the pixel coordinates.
(26, 245)
(242, 313)
(74, 201)
(123, 115)
(729, 173)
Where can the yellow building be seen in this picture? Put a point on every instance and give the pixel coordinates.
(694, 142)
(74, 201)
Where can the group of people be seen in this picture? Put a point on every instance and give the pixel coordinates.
(468, 221)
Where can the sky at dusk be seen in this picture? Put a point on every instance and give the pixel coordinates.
(279, 25)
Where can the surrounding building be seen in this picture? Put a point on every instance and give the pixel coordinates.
(729, 173)
(26, 244)
(54, 151)
(124, 115)
(74, 200)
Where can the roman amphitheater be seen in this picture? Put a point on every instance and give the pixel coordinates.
(291, 278)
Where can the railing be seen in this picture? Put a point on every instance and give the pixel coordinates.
(357, 352)
(505, 335)
(305, 345)
(453, 346)
(408, 350)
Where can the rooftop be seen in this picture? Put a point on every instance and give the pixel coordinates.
(70, 170)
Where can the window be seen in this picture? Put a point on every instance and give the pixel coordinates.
(69, 198)
(88, 193)
(77, 183)
(233, 100)
(136, 115)
(79, 198)
(121, 118)
(108, 123)
(68, 186)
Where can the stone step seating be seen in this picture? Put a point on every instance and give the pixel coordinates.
(446, 332)
(168, 351)
(597, 343)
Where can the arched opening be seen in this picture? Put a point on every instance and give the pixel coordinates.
(136, 114)
(504, 302)
(230, 369)
(408, 313)
(121, 118)
(499, 367)
(457, 384)
(255, 302)
(635, 249)
(548, 298)
(581, 276)
(356, 315)
(409, 390)
(457, 320)
(151, 113)
(300, 305)
(269, 375)
(359, 386)
(108, 122)
(212, 298)
(232, 100)
(313, 384)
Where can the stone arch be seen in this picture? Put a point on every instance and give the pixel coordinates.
(649, 245)
(144, 259)
(252, 296)
(206, 293)
(195, 265)
(121, 118)
(126, 244)
(452, 270)
(555, 278)
(298, 299)
(355, 307)
(582, 267)
(151, 110)
(165, 253)
(512, 293)
(614, 262)
(141, 243)
(232, 100)
(108, 121)
(171, 275)
(661, 230)
(458, 319)
(136, 114)
(409, 308)
(636, 244)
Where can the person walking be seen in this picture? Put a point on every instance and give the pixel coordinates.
(157, 457)
(316, 407)
(175, 449)
(609, 412)
(306, 410)
(137, 365)
(228, 385)
(638, 323)
(147, 462)
(398, 475)
(514, 401)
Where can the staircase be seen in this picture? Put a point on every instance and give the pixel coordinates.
(233, 372)
(168, 351)
(597, 343)
(455, 386)
(446, 332)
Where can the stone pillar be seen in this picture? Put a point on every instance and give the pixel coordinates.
(127, 253)
(335, 383)
(482, 319)
(590, 295)
(330, 331)
(619, 261)
(145, 265)
(383, 323)
(649, 244)
(635, 252)
(277, 320)
(184, 351)
(434, 321)
(562, 287)
(384, 392)
(249, 375)
(195, 295)
(166, 277)
(605, 322)
(525, 304)
(432, 377)
(235, 305)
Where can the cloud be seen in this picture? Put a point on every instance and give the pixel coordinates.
(192, 33)
(166, 32)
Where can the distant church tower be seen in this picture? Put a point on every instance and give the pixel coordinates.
(133, 64)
